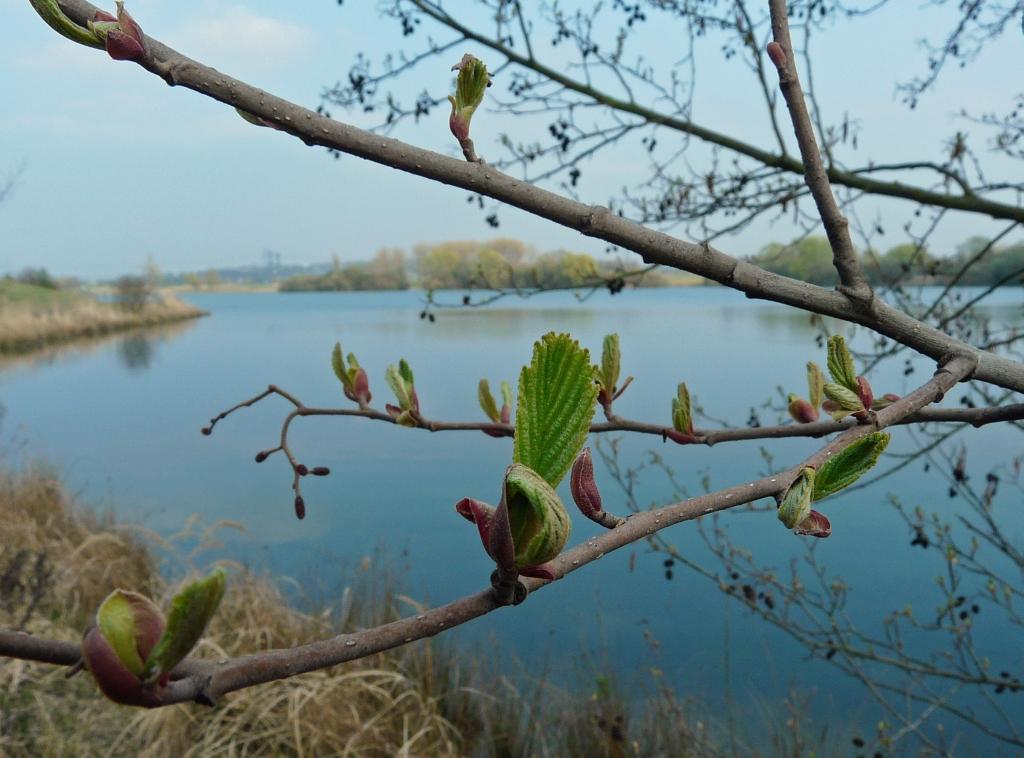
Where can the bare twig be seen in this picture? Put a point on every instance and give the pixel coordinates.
(204, 682)
(844, 255)
(595, 221)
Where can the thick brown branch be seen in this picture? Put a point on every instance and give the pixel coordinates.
(595, 221)
(205, 681)
(970, 203)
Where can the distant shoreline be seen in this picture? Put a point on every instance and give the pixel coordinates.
(32, 320)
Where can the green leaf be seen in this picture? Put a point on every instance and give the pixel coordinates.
(557, 392)
(397, 384)
(128, 621)
(471, 84)
(840, 363)
(847, 399)
(846, 467)
(406, 373)
(490, 408)
(610, 358)
(796, 505)
(50, 11)
(191, 611)
(537, 517)
(815, 384)
(338, 364)
(682, 419)
(506, 394)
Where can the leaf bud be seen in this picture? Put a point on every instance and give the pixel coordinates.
(584, 488)
(320, 471)
(301, 469)
(261, 456)
(777, 55)
(801, 410)
(815, 525)
(300, 507)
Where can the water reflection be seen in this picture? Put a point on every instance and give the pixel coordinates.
(136, 352)
(135, 349)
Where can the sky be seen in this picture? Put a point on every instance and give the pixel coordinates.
(115, 168)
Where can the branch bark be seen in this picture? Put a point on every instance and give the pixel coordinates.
(594, 221)
(970, 203)
(205, 681)
(837, 228)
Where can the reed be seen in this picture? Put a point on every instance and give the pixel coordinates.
(28, 324)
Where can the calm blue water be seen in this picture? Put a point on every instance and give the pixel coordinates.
(121, 419)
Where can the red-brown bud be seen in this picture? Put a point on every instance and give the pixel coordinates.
(362, 388)
(801, 410)
(261, 456)
(121, 35)
(300, 507)
(301, 469)
(815, 525)
(320, 471)
(584, 488)
(777, 55)
(207, 431)
(867, 397)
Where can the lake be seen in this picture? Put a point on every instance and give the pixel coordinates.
(120, 419)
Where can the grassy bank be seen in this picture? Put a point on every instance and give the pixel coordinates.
(57, 563)
(32, 317)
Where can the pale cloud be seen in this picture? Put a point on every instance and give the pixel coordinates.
(236, 37)
(61, 56)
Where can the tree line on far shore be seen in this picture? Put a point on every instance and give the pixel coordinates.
(496, 264)
(506, 263)
(810, 259)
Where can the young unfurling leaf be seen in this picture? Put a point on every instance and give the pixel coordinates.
(815, 384)
(609, 374)
(191, 611)
(840, 363)
(557, 392)
(354, 382)
(796, 504)
(487, 402)
(682, 418)
(846, 401)
(847, 466)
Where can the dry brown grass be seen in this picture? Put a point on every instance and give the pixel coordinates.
(28, 326)
(58, 562)
(372, 707)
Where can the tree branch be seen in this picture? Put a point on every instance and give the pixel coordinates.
(852, 179)
(204, 681)
(844, 255)
(595, 221)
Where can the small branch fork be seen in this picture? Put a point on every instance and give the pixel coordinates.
(976, 417)
(205, 682)
(592, 220)
(780, 51)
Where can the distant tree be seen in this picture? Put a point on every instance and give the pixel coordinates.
(808, 259)
(38, 277)
(153, 275)
(132, 293)
(210, 278)
(582, 65)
